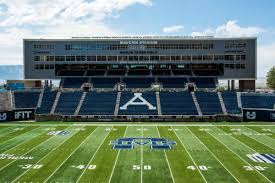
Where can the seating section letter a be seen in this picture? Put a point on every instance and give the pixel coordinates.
(141, 101)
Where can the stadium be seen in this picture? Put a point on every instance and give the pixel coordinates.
(137, 109)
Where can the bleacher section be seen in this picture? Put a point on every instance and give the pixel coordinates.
(138, 82)
(26, 99)
(47, 102)
(231, 103)
(204, 82)
(68, 103)
(99, 103)
(138, 109)
(74, 82)
(172, 82)
(254, 100)
(105, 82)
(171, 103)
(177, 103)
(209, 103)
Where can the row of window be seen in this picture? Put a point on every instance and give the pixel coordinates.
(45, 58)
(43, 46)
(52, 66)
(235, 45)
(44, 66)
(235, 66)
(139, 47)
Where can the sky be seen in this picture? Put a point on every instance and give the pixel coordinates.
(71, 18)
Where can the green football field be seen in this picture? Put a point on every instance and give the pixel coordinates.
(89, 152)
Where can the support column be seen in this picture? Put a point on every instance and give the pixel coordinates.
(228, 85)
(232, 85)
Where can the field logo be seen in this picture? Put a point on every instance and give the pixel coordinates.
(251, 115)
(272, 116)
(141, 101)
(130, 143)
(3, 116)
(262, 158)
(55, 133)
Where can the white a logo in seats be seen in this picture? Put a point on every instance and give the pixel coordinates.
(141, 102)
(250, 115)
(3, 116)
(272, 116)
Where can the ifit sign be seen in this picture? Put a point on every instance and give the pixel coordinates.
(17, 115)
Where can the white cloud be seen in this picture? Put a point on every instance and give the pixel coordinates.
(230, 29)
(173, 29)
(55, 19)
(266, 53)
(266, 58)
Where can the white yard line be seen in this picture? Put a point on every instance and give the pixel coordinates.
(9, 128)
(239, 155)
(21, 143)
(19, 135)
(131, 124)
(93, 156)
(116, 159)
(213, 155)
(171, 173)
(189, 154)
(248, 129)
(29, 150)
(44, 157)
(71, 154)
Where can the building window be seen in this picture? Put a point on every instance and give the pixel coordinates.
(43, 46)
(91, 58)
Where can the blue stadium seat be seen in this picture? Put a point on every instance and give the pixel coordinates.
(105, 82)
(173, 82)
(254, 100)
(74, 82)
(138, 82)
(177, 103)
(26, 99)
(204, 82)
(209, 103)
(68, 103)
(47, 102)
(138, 109)
(99, 103)
(230, 102)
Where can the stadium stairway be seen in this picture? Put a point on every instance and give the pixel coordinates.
(196, 103)
(158, 104)
(55, 102)
(231, 102)
(209, 103)
(99, 103)
(67, 103)
(117, 103)
(177, 103)
(222, 103)
(80, 103)
(47, 102)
